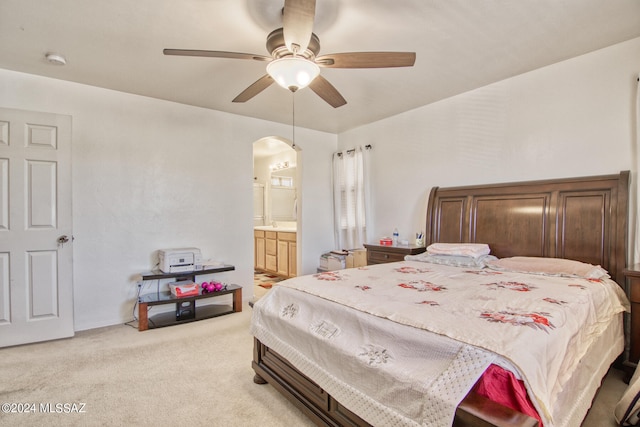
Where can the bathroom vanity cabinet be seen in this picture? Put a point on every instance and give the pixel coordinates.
(275, 252)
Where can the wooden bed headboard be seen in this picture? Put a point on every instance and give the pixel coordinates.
(584, 219)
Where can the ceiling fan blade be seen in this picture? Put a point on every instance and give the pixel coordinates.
(367, 60)
(216, 54)
(258, 86)
(326, 91)
(298, 23)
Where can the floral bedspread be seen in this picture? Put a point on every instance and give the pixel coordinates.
(541, 325)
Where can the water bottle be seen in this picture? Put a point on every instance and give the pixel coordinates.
(395, 237)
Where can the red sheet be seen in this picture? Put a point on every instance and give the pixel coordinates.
(501, 386)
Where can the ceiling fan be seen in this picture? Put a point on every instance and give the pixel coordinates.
(294, 62)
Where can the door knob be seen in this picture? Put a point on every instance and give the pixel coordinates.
(62, 240)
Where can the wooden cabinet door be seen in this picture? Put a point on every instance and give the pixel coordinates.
(293, 259)
(283, 258)
(260, 255)
(271, 263)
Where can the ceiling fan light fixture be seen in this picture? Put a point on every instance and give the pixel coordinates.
(293, 72)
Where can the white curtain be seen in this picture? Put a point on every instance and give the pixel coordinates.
(634, 212)
(350, 188)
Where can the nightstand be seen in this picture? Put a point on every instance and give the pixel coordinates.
(632, 274)
(378, 254)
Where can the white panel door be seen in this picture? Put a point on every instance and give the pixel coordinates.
(36, 287)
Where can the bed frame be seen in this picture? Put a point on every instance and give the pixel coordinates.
(576, 218)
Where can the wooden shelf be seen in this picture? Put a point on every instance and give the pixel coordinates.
(203, 312)
(186, 310)
(158, 275)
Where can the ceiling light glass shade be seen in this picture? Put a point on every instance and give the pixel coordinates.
(293, 73)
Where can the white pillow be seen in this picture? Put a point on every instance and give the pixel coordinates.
(452, 260)
(549, 267)
(474, 250)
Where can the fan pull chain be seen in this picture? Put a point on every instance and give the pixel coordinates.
(293, 121)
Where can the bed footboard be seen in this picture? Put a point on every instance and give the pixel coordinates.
(324, 410)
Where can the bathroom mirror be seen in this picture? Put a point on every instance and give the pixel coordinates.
(283, 195)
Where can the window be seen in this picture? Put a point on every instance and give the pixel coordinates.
(349, 188)
(281, 181)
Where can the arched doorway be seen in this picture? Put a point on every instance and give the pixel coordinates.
(276, 189)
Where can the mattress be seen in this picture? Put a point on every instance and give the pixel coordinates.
(403, 343)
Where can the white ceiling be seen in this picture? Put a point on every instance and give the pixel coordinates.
(460, 45)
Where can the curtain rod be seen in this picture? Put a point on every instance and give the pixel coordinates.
(366, 147)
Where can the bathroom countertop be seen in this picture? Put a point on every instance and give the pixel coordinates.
(283, 229)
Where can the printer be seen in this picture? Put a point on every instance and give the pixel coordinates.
(179, 260)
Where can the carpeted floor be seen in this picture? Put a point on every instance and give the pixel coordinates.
(196, 374)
